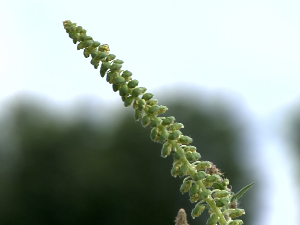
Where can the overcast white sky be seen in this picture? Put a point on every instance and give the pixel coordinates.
(250, 49)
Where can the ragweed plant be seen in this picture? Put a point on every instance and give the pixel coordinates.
(204, 182)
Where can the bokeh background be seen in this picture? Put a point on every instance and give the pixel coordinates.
(70, 153)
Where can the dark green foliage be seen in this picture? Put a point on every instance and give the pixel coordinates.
(78, 173)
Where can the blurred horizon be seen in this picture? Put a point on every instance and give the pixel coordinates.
(104, 113)
(240, 55)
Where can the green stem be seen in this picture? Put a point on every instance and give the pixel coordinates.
(209, 200)
(212, 205)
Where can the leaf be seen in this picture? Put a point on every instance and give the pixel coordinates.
(240, 193)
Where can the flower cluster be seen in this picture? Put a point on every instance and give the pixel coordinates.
(202, 179)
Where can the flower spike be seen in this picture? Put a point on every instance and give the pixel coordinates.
(203, 181)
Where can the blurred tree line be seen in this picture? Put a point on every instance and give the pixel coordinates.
(80, 172)
(292, 136)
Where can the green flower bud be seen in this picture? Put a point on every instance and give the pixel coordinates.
(110, 77)
(136, 92)
(80, 46)
(194, 198)
(88, 43)
(168, 121)
(115, 66)
(86, 38)
(78, 29)
(123, 91)
(213, 220)
(71, 34)
(174, 135)
(115, 87)
(162, 109)
(196, 156)
(82, 37)
(66, 23)
(236, 222)
(147, 96)
(163, 136)
(104, 67)
(190, 148)
(153, 109)
(110, 57)
(95, 44)
(220, 194)
(94, 62)
(190, 156)
(128, 101)
(118, 61)
(176, 126)
(155, 122)
(166, 149)
(175, 169)
(204, 194)
(225, 182)
(207, 184)
(212, 178)
(135, 105)
(75, 38)
(203, 165)
(146, 120)
(124, 98)
(194, 190)
(104, 48)
(119, 80)
(138, 114)
(132, 83)
(199, 176)
(154, 134)
(178, 154)
(186, 185)
(101, 55)
(152, 102)
(185, 140)
(86, 53)
(222, 202)
(197, 210)
(183, 170)
(72, 28)
(141, 104)
(126, 73)
(94, 52)
(236, 212)
(219, 186)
